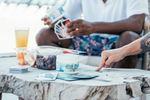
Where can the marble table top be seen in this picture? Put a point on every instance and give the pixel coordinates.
(112, 84)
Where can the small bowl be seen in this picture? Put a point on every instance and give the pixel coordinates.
(46, 58)
(25, 56)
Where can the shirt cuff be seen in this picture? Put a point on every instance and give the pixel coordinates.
(135, 12)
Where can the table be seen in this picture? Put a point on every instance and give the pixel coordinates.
(112, 84)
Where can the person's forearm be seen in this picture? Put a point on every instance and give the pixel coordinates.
(116, 27)
(141, 45)
(134, 23)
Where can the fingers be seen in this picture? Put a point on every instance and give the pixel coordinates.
(69, 25)
(45, 18)
(48, 22)
(74, 33)
(100, 67)
(109, 62)
(72, 29)
(73, 23)
(104, 58)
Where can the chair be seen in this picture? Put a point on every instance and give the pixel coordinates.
(145, 56)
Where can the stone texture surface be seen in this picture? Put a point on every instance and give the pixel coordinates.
(112, 84)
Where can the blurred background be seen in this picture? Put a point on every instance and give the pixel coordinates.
(23, 13)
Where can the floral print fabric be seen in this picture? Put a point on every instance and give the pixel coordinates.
(93, 45)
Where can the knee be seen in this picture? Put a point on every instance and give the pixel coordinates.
(128, 36)
(42, 35)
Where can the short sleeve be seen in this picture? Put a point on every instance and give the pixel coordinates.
(137, 7)
(73, 9)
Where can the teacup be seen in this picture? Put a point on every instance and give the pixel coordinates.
(67, 63)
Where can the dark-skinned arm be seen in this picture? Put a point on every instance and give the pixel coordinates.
(80, 27)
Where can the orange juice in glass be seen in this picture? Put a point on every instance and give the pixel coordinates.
(21, 36)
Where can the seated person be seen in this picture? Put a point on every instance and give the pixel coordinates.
(107, 24)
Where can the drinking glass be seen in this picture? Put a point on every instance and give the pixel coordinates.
(21, 34)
